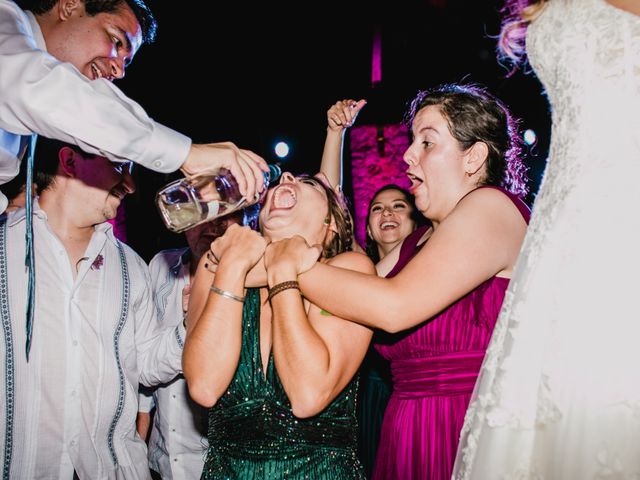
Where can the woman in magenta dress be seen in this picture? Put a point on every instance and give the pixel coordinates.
(443, 296)
(434, 368)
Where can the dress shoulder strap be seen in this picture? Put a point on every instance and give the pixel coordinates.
(522, 207)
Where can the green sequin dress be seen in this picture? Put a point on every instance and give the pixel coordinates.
(254, 435)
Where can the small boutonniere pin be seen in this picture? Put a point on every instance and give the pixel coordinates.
(97, 263)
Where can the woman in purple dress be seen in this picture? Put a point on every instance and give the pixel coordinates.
(444, 294)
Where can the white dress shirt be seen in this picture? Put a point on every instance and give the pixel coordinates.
(39, 94)
(73, 406)
(178, 441)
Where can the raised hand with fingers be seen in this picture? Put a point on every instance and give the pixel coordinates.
(343, 114)
(340, 116)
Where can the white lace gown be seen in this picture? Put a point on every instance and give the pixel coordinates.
(558, 395)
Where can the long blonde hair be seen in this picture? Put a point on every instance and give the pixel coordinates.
(517, 15)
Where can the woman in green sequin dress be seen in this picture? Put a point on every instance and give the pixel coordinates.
(280, 375)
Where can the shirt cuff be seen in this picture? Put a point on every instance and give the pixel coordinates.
(146, 402)
(167, 150)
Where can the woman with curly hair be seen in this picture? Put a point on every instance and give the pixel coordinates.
(559, 392)
(278, 371)
(444, 293)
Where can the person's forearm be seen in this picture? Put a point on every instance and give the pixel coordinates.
(160, 358)
(331, 164)
(158, 350)
(143, 424)
(212, 348)
(361, 298)
(300, 355)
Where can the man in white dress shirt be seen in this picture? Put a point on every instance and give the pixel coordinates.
(178, 441)
(57, 64)
(71, 410)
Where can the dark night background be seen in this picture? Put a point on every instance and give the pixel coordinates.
(258, 74)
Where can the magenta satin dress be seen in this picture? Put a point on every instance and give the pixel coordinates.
(434, 367)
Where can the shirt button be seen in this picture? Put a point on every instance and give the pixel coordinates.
(73, 393)
(75, 343)
(175, 459)
(157, 163)
(173, 396)
(72, 443)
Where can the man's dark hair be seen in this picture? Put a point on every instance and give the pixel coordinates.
(46, 161)
(44, 169)
(144, 16)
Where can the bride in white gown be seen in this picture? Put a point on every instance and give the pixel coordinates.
(558, 395)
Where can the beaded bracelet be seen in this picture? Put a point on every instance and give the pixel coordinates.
(281, 287)
(226, 294)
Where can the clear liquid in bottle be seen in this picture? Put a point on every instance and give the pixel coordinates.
(188, 202)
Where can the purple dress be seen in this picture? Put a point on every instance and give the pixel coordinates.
(434, 367)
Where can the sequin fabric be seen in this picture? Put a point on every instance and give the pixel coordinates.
(253, 434)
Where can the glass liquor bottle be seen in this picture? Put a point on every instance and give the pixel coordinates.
(200, 198)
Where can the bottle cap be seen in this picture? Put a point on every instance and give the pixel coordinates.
(274, 172)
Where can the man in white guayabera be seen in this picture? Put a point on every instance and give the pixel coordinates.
(178, 440)
(70, 410)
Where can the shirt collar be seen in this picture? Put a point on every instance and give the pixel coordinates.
(36, 31)
(13, 218)
(107, 229)
(183, 259)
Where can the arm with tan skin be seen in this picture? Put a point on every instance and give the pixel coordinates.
(340, 116)
(631, 6)
(479, 239)
(144, 418)
(143, 424)
(214, 322)
(316, 355)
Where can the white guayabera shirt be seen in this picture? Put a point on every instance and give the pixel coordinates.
(73, 406)
(39, 94)
(178, 441)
